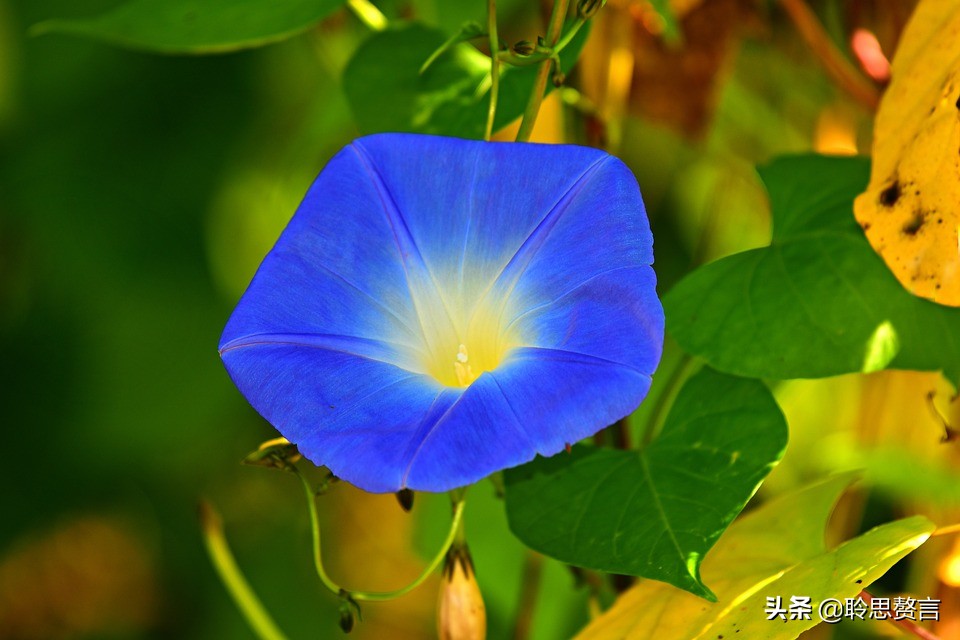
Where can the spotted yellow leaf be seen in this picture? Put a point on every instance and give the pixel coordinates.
(911, 208)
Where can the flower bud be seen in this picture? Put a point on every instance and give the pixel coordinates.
(460, 611)
(346, 620)
(523, 48)
(588, 8)
(278, 453)
(405, 498)
(348, 607)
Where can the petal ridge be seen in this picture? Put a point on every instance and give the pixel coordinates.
(466, 232)
(294, 256)
(506, 400)
(420, 441)
(368, 348)
(406, 244)
(570, 291)
(514, 268)
(577, 357)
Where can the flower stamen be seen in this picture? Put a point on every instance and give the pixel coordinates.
(462, 367)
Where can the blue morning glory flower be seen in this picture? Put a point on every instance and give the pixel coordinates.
(439, 309)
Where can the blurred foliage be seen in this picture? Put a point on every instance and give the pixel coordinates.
(138, 194)
(187, 26)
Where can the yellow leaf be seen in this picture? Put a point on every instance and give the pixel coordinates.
(776, 550)
(911, 209)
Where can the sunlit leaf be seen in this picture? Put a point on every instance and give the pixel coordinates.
(818, 301)
(777, 550)
(197, 26)
(388, 93)
(654, 513)
(911, 209)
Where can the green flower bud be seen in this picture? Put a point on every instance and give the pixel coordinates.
(588, 8)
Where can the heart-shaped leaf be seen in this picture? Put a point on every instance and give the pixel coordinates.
(818, 301)
(655, 513)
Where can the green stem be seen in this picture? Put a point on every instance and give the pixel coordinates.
(223, 561)
(458, 532)
(665, 399)
(569, 35)
(315, 531)
(368, 14)
(536, 96)
(494, 66)
(365, 595)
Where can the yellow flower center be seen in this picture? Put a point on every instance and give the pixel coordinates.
(457, 353)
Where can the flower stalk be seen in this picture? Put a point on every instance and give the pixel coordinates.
(540, 85)
(494, 66)
(371, 596)
(211, 525)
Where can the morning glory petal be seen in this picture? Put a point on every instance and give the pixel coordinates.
(614, 315)
(539, 401)
(439, 309)
(309, 284)
(360, 417)
(470, 207)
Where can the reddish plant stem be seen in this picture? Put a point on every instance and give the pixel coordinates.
(529, 588)
(836, 64)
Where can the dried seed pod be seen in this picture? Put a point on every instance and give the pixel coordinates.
(461, 614)
(278, 453)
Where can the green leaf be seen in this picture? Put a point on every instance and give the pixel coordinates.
(818, 301)
(197, 26)
(775, 550)
(387, 92)
(655, 513)
(467, 31)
